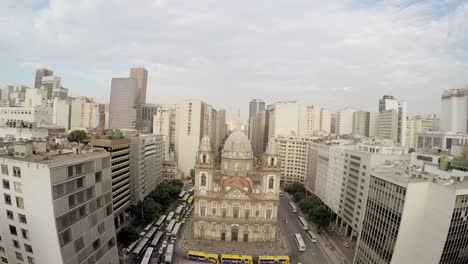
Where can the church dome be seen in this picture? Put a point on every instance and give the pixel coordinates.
(237, 145)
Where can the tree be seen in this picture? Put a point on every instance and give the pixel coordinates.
(77, 136)
(298, 196)
(151, 209)
(177, 182)
(294, 187)
(309, 203)
(127, 235)
(320, 216)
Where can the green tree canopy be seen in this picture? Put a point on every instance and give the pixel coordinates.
(320, 216)
(77, 136)
(127, 235)
(294, 187)
(298, 196)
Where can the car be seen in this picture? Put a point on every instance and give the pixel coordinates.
(346, 244)
(183, 220)
(161, 250)
(164, 243)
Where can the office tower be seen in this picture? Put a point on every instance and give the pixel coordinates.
(40, 73)
(454, 113)
(293, 154)
(220, 129)
(119, 149)
(147, 117)
(365, 123)
(61, 113)
(146, 164)
(60, 92)
(33, 114)
(219, 217)
(83, 113)
(317, 120)
(256, 106)
(416, 125)
(35, 97)
(257, 133)
(333, 123)
(141, 74)
(344, 121)
(192, 123)
(286, 118)
(164, 124)
(50, 83)
(414, 216)
(392, 119)
(122, 112)
(103, 116)
(56, 206)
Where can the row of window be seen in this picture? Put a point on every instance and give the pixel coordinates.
(16, 170)
(19, 201)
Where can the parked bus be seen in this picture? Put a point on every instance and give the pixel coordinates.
(170, 226)
(300, 242)
(191, 190)
(181, 194)
(312, 236)
(179, 209)
(140, 248)
(175, 231)
(303, 223)
(203, 257)
(151, 232)
(236, 259)
(273, 260)
(190, 200)
(148, 227)
(147, 257)
(160, 220)
(185, 198)
(129, 249)
(169, 253)
(293, 207)
(157, 238)
(169, 217)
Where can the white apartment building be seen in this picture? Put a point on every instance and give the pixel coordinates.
(146, 164)
(164, 123)
(191, 126)
(365, 123)
(454, 112)
(286, 118)
(413, 216)
(388, 125)
(21, 130)
(294, 156)
(416, 125)
(35, 97)
(61, 113)
(33, 114)
(344, 121)
(83, 113)
(49, 84)
(317, 120)
(56, 207)
(440, 140)
(392, 116)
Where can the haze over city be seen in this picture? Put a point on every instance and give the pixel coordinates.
(333, 53)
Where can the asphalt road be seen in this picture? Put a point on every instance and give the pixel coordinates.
(313, 253)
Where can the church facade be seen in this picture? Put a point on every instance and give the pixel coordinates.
(236, 200)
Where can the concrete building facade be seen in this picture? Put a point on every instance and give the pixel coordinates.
(454, 112)
(122, 107)
(344, 121)
(416, 125)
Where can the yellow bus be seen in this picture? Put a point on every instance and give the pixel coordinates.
(190, 200)
(236, 259)
(273, 260)
(203, 257)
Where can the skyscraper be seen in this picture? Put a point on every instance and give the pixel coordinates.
(388, 107)
(39, 74)
(256, 106)
(141, 75)
(50, 84)
(122, 111)
(454, 112)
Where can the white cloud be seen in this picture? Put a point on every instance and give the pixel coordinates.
(227, 52)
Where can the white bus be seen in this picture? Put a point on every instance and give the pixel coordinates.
(169, 217)
(185, 198)
(191, 190)
(147, 257)
(175, 230)
(157, 238)
(129, 249)
(300, 242)
(312, 236)
(293, 207)
(303, 223)
(148, 227)
(181, 194)
(151, 232)
(169, 252)
(139, 250)
(179, 209)
(160, 220)
(170, 226)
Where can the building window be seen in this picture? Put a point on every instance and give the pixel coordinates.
(203, 180)
(96, 244)
(98, 176)
(268, 214)
(79, 244)
(4, 169)
(19, 256)
(17, 171)
(18, 187)
(7, 199)
(70, 171)
(235, 212)
(16, 244)
(10, 215)
(271, 183)
(31, 260)
(13, 230)
(28, 248)
(19, 202)
(213, 211)
(71, 201)
(6, 184)
(79, 182)
(4, 260)
(22, 218)
(224, 212)
(202, 210)
(247, 213)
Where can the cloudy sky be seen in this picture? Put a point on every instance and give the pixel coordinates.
(331, 53)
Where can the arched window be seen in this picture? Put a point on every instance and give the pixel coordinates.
(203, 180)
(271, 183)
(271, 162)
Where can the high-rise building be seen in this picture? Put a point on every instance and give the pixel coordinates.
(344, 121)
(220, 129)
(56, 206)
(392, 118)
(83, 113)
(141, 74)
(454, 113)
(122, 111)
(256, 106)
(147, 117)
(253, 215)
(416, 125)
(61, 113)
(193, 121)
(50, 84)
(317, 120)
(257, 133)
(103, 116)
(414, 216)
(286, 118)
(40, 73)
(119, 148)
(365, 123)
(164, 124)
(35, 97)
